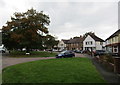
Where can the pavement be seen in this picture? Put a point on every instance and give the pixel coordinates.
(109, 76)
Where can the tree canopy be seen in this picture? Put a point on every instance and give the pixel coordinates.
(50, 42)
(26, 30)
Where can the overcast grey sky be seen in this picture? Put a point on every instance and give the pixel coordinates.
(69, 18)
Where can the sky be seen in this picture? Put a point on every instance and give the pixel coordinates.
(69, 18)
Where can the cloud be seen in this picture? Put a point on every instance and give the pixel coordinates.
(69, 19)
(2, 3)
(83, 17)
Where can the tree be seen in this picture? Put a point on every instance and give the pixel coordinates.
(50, 42)
(25, 30)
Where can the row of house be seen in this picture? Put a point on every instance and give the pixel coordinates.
(92, 42)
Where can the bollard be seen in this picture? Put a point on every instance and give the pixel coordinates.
(117, 65)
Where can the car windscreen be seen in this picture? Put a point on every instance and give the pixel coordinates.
(63, 52)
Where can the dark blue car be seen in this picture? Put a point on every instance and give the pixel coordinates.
(65, 54)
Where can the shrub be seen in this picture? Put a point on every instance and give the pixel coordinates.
(109, 58)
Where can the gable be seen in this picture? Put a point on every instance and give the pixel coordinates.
(89, 38)
(61, 42)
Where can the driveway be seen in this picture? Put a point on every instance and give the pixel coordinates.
(8, 61)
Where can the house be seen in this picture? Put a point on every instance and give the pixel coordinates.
(92, 42)
(75, 44)
(62, 45)
(113, 43)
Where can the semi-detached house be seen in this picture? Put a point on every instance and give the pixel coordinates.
(62, 45)
(113, 43)
(92, 42)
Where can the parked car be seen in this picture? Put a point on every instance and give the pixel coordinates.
(65, 54)
(78, 51)
(99, 52)
(54, 50)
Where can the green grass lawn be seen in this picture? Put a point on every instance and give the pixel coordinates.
(33, 54)
(65, 70)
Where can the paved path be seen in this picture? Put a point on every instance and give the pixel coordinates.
(111, 77)
(8, 61)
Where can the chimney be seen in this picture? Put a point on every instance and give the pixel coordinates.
(80, 36)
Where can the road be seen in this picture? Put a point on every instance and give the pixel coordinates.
(8, 61)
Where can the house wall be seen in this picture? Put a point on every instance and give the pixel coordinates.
(86, 44)
(73, 46)
(61, 45)
(95, 45)
(112, 40)
(100, 45)
(112, 44)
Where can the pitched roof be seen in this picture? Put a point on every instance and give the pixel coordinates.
(65, 41)
(76, 40)
(114, 34)
(96, 38)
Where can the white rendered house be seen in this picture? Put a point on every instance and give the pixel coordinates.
(62, 45)
(92, 43)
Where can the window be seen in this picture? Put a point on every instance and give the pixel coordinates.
(101, 43)
(91, 42)
(61, 44)
(115, 49)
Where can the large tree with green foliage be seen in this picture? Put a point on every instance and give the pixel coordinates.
(25, 30)
(50, 42)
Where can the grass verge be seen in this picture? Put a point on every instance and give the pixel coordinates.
(65, 70)
(32, 54)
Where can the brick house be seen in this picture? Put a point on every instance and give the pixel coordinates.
(75, 43)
